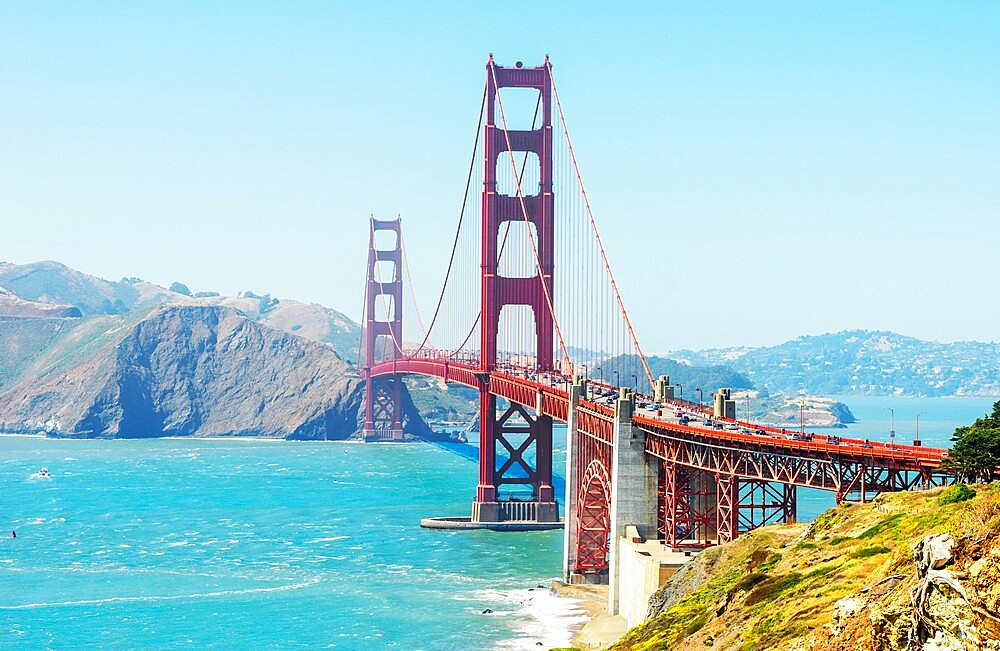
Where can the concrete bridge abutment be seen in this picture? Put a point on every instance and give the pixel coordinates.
(634, 480)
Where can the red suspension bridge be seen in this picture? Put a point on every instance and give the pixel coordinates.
(541, 332)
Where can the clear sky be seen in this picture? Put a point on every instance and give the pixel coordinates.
(760, 170)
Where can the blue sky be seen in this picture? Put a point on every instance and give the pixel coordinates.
(759, 170)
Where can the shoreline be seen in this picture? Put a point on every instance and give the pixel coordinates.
(600, 629)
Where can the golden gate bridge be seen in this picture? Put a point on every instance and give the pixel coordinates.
(536, 325)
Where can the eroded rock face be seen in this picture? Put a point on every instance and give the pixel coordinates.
(196, 371)
(944, 609)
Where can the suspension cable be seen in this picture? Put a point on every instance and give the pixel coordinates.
(413, 297)
(593, 224)
(503, 243)
(531, 236)
(364, 309)
(461, 217)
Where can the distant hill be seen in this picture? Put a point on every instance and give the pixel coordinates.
(864, 362)
(83, 356)
(55, 283)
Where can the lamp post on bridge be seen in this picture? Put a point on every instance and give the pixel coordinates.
(635, 383)
(701, 398)
(617, 383)
(916, 435)
(892, 426)
(680, 391)
(600, 371)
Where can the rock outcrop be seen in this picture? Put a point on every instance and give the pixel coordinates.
(193, 371)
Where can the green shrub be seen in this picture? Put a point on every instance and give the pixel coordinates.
(749, 581)
(892, 522)
(696, 624)
(956, 493)
(869, 551)
(774, 586)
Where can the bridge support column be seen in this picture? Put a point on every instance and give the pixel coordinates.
(576, 392)
(383, 409)
(383, 332)
(727, 489)
(517, 432)
(689, 507)
(634, 480)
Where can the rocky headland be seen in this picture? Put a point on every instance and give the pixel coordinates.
(85, 357)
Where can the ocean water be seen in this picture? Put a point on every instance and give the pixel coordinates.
(222, 544)
(247, 544)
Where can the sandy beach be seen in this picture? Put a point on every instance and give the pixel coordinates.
(601, 629)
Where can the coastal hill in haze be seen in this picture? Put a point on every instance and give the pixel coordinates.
(863, 362)
(88, 357)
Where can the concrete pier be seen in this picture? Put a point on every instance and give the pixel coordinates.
(633, 492)
(577, 391)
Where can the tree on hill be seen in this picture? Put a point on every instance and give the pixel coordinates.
(975, 456)
(180, 288)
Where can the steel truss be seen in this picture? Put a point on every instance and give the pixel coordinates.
(588, 552)
(517, 432)
(687, 506)
(848, 477)
(593, 521)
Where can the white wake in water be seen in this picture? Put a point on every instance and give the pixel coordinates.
(152, 598)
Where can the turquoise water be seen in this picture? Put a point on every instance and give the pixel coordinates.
(226, 544)
(247, 544)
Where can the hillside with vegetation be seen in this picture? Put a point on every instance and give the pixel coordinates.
(911, 571)
(863, 362)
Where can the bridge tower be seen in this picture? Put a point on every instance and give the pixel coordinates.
(516, 432)
(383, 332)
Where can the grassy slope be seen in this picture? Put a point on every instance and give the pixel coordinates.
(788, 598)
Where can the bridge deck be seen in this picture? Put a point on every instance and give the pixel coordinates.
(693, 444)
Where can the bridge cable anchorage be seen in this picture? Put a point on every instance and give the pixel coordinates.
(524, 212)
(593, 224)
(454, 244)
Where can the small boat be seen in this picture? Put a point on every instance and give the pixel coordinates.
(41, 474)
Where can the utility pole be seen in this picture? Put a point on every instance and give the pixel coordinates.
(892, 426)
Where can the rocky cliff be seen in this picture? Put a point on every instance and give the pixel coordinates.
(191, 371)
(911, 572)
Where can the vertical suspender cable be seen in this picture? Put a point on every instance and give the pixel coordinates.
(576, 168)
